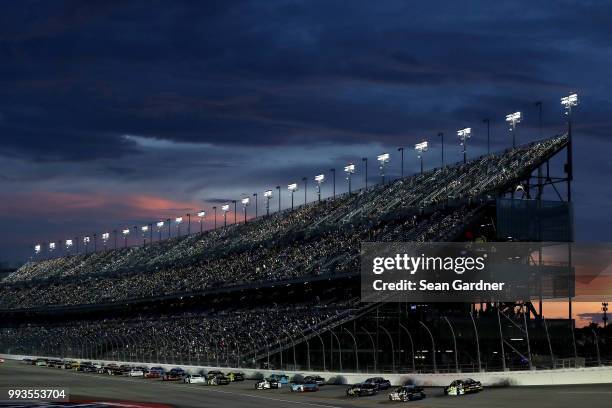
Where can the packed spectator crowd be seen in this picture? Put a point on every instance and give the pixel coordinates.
(223, 337)
(315, 239)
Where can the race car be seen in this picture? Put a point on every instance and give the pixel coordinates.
(41, 362)
(154, 372)
(194, 379)
(463, 386)
(281, 378)
(235, 376)
(407, 393)
(379, 382)
(310, 386)
(317, 379)
(362, 389)
(136, 372)
(216, 378)
(176, 374)
(267, 384)
(54, 363)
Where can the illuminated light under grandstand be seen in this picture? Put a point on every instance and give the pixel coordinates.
(421, 148)
(349, 170)
(513, 119)
(320, 178)
(37, 248)
(383, 159)
(464, 135)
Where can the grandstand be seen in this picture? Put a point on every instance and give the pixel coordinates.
(283, 290)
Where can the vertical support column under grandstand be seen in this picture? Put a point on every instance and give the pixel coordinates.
(392, 348)
(373, 347)
(411, 345)
(356, 349)
(450, 326)
(477, 342)
(433, 346)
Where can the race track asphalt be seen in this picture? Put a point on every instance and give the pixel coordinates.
(242, 395)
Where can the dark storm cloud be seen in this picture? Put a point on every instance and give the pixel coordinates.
(192, 100)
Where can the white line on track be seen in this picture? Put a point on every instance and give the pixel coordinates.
(584, 392)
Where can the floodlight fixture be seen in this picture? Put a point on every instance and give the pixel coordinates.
(160, 224)
(320, 178)
(201, 214)
(86, 240)
(350, 169)
(144, 228)
(37, 248)
(383, 158)
(178, 220)
(292, 187)
(268, 194)
(105, 236)
(245, 201)
(51, 246)
(225, 208)
(569, 101)
(126, 231)
(68, 243)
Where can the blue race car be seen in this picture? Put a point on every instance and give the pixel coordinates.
(281, 378)
(304, 387)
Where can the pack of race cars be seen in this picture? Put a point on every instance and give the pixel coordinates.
(369, 387)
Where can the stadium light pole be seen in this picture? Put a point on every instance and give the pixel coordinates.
(169, 227)
(115, 234)
(464, 135)
(245, 204)
(188, 215)
(95, 242)
(514, 119)
(383, 159)
(215, 212)
(144, 229)
(401, 150)
(421, 148)
(105, 238)
(292, 188)
(268, 196)
(279, 198)
(160, 225)
(441, 136)
(538, 104)
(86, 244)
(178, 221)
(333, 172)
(305, 180)
(488, 122)
(225, 209)
(126, 232)
(319, 179)
(201, 215)
(235, 211)
(568, 103)
(255, 198)
(365, 160)
(349, 170)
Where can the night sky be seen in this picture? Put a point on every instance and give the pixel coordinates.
(115, 114)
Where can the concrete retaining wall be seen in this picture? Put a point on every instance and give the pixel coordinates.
(593, 375)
